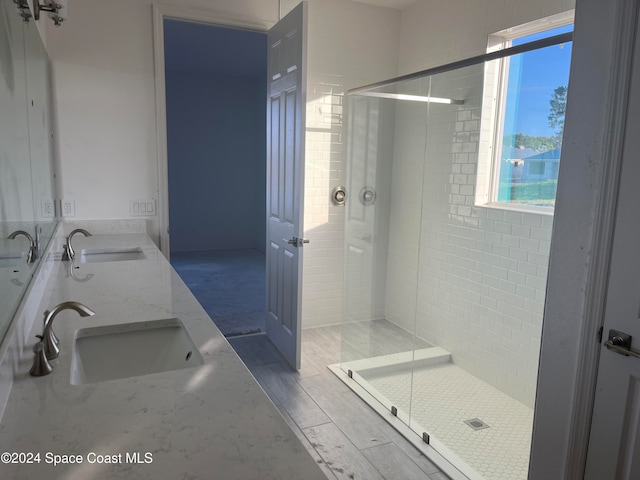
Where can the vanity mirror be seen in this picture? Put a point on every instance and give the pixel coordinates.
(26, 158)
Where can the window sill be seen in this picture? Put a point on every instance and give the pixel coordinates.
(545, 211)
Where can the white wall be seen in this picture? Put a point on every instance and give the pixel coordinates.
(436, 32)
(217, 169)
(105, 100)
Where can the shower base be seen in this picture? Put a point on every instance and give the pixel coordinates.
(482, 432)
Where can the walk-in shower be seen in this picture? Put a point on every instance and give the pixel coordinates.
(444, 286)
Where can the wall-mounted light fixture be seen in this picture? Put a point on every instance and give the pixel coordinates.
(23, 6)
(57, 8)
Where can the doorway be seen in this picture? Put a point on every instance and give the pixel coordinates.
(216, 147)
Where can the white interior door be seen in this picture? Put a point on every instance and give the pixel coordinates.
(285, 177)
(614, 444)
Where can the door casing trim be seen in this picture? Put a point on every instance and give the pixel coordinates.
(602, 157)
(597, 282)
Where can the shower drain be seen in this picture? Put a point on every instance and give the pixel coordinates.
(476, 424)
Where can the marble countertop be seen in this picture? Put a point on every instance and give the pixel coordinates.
(211, 421)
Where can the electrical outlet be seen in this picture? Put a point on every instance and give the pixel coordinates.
(47, 208)
(68, 207)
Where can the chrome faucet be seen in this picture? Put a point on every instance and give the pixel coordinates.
(49, 340)
(33, 248)
(47, 348)
(41, 365)
(69, 253)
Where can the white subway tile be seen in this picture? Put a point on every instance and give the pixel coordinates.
(500, 250)
(543, 272)
(495, 214)
(538, 258)
(489, 302)
(541, 234)
(536, 282)
(530, 245)
(503, 227)
(493, 237)
(518, 254)
(507, 286)
(547, 222)
(521, 230)
(499, 272)
(511, 240)
(545, 247)
(513, 217)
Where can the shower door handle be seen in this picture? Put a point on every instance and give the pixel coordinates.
(620, 343)
(296, 242)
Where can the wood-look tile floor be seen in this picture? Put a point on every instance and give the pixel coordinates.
(345, 436)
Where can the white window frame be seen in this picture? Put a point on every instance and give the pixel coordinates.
(496, 73)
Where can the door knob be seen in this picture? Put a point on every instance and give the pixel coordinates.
(297, 242)
(620, 342)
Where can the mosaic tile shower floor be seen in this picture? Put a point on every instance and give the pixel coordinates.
(444, 396)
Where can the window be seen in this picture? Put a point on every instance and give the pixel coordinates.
(530, 100)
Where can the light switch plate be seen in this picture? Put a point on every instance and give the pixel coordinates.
(143, 208)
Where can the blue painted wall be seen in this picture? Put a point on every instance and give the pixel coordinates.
(216, 124)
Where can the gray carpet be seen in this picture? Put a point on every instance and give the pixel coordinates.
(230, 286)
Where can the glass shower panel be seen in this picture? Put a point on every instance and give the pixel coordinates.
(445, 398)
(482, 265)
(372, 343)
(444, 281)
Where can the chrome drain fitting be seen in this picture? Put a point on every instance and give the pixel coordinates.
(476, 424)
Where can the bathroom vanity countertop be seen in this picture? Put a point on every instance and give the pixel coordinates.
(207, 422)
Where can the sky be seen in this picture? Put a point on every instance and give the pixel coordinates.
(538, 73)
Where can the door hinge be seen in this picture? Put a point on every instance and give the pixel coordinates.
(599, 334)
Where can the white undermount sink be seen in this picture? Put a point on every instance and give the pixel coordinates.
(111, 255)
(132, 349)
